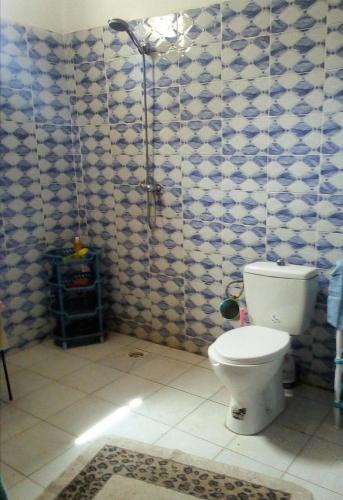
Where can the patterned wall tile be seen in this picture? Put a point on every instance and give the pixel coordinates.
(124, 73)
(15, 71)
(165, 137)
(297, 51)
(163, 104)
(294, 174)
(13, 38)
(297, 212)
(167, 170)
(248, 98)
(245, 240)
(124, 106)
(166, 247)
(169, 203)
(333, 92)
(58, 169)
(202, 204)
(245, 58)
(302, 14)
(167, 303)
(17, 138)
(200, 26)
(244, 136)
(166, 71)
(334, 47)
(296, 247)
(45, 45)
(54, 139)
(90, 77)
(204, 267)
(297, 94)
(126, 138)
(332, 134)
(331, 171)
(59, 198)
(203, 236)
(201, 171)
(201, 102)
(51, 107)
(242, 207)
(245, 18)
(329, 248)
(15, 105)
(335, 14)
(296, 135)
(90, 109)
(128, 169)
(330, 213)
(201, 64)
(244, 172)
(87, 45)
(201, 136)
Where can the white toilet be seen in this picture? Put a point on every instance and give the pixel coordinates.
(248, 360)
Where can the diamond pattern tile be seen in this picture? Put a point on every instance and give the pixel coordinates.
(245, 58)
(245, 18)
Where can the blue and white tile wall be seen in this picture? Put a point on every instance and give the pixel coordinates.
(38, 175)
(245, 109)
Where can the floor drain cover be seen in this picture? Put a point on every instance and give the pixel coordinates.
(136, 354)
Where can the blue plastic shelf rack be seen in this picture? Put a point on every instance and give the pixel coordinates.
(78, 309)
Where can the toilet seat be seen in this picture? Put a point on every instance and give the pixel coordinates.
(251, 345)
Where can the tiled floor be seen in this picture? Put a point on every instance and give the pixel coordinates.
(167, 397)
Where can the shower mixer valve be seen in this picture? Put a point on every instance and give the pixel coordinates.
(151, 187)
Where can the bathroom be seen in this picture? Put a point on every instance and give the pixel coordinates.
(245, 161)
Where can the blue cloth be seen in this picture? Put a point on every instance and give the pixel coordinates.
(335, 298)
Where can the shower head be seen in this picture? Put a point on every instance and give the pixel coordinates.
(121, 25)
(118, 25)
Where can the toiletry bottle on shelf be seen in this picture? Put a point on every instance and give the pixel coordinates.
(77, 244)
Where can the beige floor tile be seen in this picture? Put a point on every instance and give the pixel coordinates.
(222, 396)
(10, 476)
(53, 469)
(321, 463)
(81, 415)
(303, 415)
(317, 492)
(91, 377)
(26, 489)
(315, 393)
(127, 388)
(169, 406)
(275, 446)
(58, 364)
(198, 381)
(49, 400)
(13, 421)
(30, 356)
(33, 448)
(138, 427)
(207, 422)
(158, 368)
(121, 360)
(168, 352)
(328, 431)
(206, 364)
(22, 382)
(94, 352)
(118, 339)
(187, 443)
(230, 457)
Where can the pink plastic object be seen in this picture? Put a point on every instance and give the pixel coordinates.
(242, 316)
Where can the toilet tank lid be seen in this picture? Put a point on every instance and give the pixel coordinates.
(288, 271)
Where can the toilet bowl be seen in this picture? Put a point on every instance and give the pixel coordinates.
(248, 361)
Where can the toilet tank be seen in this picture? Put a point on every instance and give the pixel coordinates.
(280, 296)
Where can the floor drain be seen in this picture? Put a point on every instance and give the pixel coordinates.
(136, 354)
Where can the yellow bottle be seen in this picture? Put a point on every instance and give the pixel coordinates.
(77, 244)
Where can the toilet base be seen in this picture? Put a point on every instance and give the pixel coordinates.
(250, 412)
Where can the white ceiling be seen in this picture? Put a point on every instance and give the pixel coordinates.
(65, 16)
